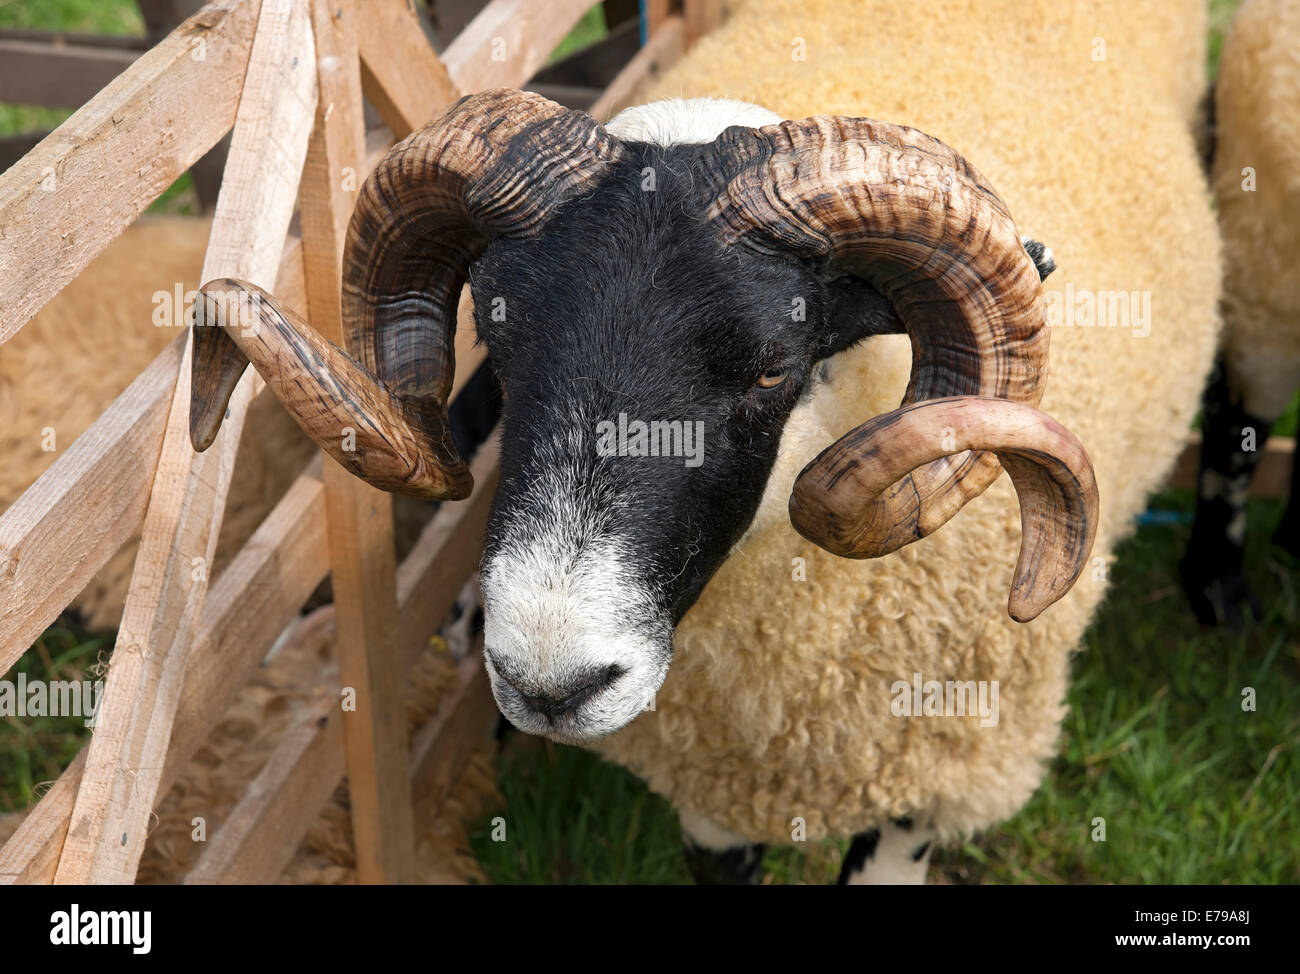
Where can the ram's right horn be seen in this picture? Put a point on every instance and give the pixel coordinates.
(911, 217)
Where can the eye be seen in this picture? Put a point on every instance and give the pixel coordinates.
(773, 378)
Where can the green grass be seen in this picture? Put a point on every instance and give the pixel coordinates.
(1193, 789)
(588, 30)
(1221, 12)
(74, 16)
(37, 749)
(571, 818)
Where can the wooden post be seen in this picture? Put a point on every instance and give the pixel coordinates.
(700, 17)
(360, 518)
(125, 761)
(400, 73)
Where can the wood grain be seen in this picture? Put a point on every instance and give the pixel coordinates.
(400, 73)
(360, 517)
(70, 197)
(306, 767)
(249, 605)
(125, 761)
(264, 830)
(509, 41)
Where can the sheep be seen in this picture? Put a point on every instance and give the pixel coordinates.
(651, 272)
(1258, 193)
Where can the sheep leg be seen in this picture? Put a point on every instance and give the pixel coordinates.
(717, 857)
(896, 854)
(1212, 569)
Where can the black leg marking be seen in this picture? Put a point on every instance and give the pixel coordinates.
(860, 852)
(919, 852)
(1212, 569)
(740, 865)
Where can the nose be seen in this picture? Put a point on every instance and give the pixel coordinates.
(553, 702)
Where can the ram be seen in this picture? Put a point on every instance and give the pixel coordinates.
(785, 275)
(1257, 188)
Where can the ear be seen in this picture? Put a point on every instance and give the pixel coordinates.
(854, 310)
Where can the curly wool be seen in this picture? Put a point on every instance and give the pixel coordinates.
(777, 705)
(1257, 186)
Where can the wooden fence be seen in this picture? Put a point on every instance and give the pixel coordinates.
(286, 79)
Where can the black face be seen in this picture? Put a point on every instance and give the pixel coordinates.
(626, 309)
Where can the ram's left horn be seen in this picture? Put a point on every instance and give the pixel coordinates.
(350, 413)
(847, 499)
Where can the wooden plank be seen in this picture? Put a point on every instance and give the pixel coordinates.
(125, 761)
(656, 12)
(250, 604)
(509, 41)
(82, 509)
(360, 517)
(1272, 477)
(441, 749)
(64, 528)
(306, 768)
(266, 827)
(65, 201)
(400, 73)
(659, 54)
(57, 76)
(92, 500)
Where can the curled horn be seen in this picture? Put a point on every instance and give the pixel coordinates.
(909, 215)
(498, 163)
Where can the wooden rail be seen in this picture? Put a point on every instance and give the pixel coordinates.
(287, 76)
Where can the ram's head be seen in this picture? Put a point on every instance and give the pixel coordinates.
(655, 314)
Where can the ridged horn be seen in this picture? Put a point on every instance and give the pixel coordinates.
(497, 163)
(909, 215)
(847, 493)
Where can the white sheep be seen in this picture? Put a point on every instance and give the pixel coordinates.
(620, 281)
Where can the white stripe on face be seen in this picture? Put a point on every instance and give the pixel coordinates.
(566, 618)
